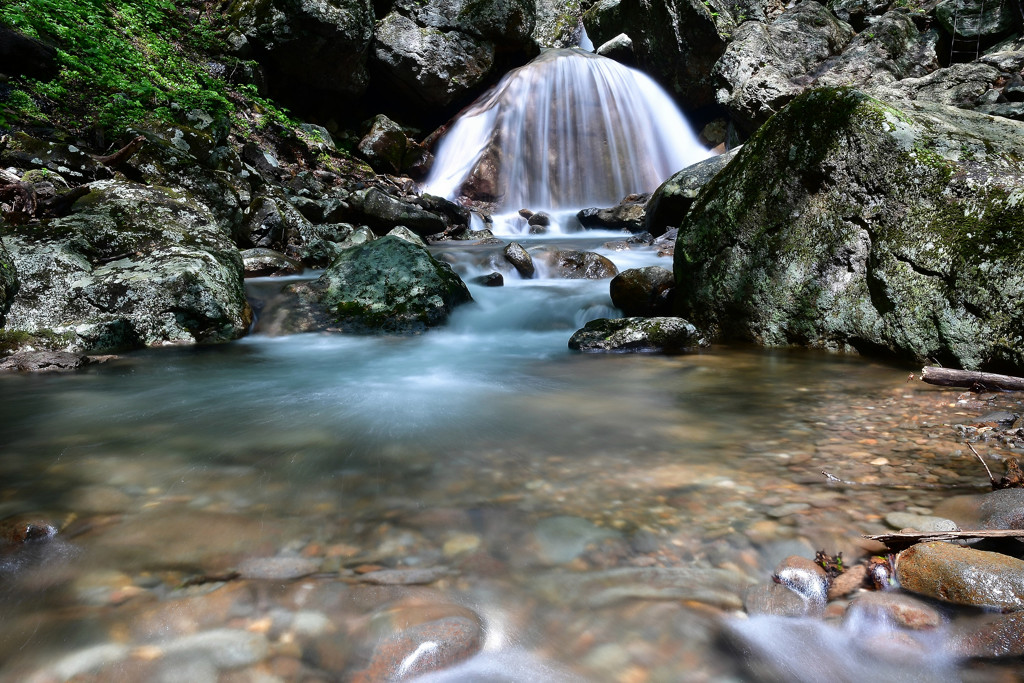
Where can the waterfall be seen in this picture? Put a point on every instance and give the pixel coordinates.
(570, 130)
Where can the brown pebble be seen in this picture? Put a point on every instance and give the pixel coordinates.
(428, 647)
(847, 582)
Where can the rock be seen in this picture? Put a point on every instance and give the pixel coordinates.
(675, 41)
(68, 161)
(405, 577)
(558, 23)
(267, 262)
(224, 648)
(1000, 636)
(132, 266)
(318, 44)
(520, 260)
(574, 265)
(8, 282)
(760, 70)
(643, 292)
(903, 610)
(959, 85)
(539, 220)
(1002, 418)
(644, 335)
(404, 233)
(890, 50)
(804, 260)
(490, 280)
(672, 200)
(962, 575)
(907, 520)
(562, 539)
(271, 222)
(418, 650)
(619, 48)
(43, 362)
(277, 568)
(627, 215)
(386, 146)
(431, 66)
(848, 582)
(1002, 509)
(388, 285)
(774, 599)
(806, 578)
(718, 587)
(383, 212)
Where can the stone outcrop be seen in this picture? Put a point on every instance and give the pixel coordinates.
(132, 266)
(883, 230)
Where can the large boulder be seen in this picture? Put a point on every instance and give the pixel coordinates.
(976, 21)
(675, 41)
(8, 282)
(132, 266)
(387, 285)
(558, 23)
(508, 22)
(321, 44)
(767, 65)
(643, 292)
(882, 230)
(431, 66)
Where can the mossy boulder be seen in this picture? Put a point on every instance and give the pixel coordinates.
(8, 282)
(847, 223)
(637, 335)
(132, 266)
(388, 285)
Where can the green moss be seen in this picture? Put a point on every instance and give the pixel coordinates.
(120, 63)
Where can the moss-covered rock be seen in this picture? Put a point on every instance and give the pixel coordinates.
(387, 285)
(132, 266)
(637, 335)
(848, 223)
(8, 282)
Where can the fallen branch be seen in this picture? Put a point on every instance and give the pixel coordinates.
(902, 487)
(124, 154)
(905, 539)
(969, 379)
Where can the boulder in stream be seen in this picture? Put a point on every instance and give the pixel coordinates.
(885, 230)
(387, 285)
(631, 335)
(643, 292)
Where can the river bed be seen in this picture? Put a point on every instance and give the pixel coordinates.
(242, 492)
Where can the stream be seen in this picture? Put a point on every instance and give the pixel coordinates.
(550, 489)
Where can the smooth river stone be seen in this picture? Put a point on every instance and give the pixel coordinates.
(900, 609)
(718, 587)
(277, 568)
(961, 575)
(428, 647)
(908, 520)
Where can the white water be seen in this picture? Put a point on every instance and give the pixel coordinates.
(568, 131)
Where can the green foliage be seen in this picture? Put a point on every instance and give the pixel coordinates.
(120, 62)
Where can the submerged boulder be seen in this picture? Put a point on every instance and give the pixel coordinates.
(132, 266)
(621, 335)
(387, 285)
(882, 230)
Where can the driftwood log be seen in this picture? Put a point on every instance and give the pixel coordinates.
(969, 379)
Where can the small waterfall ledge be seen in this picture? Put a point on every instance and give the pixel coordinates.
(570, 130)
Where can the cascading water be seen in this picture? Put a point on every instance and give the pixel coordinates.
(570, 130)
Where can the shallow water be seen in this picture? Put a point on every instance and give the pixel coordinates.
(544, 483)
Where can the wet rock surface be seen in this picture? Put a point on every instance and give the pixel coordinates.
(643, 292)
(666, 335)
(963, 576)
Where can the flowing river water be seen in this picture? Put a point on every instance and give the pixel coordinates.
(600, 516)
